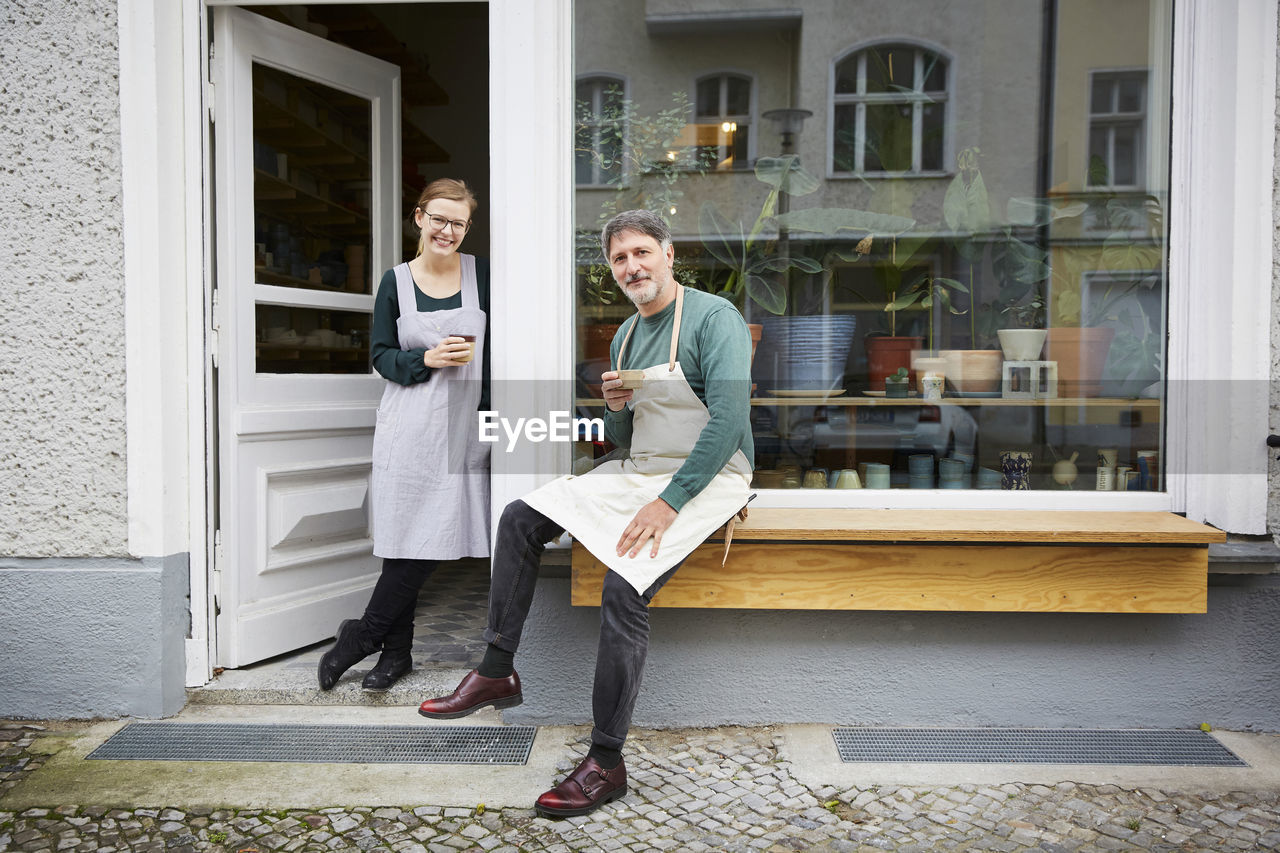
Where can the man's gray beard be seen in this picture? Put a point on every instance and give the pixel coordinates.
(646, 295)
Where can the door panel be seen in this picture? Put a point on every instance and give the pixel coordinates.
(307, 159)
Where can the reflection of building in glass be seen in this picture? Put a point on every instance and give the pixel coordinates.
(961, 169)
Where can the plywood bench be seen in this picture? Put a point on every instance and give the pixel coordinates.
(972, 560)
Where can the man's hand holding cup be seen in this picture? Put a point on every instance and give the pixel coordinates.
(618, 387)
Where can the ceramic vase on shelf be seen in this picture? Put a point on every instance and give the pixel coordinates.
(1022, 344)
(1015, 470)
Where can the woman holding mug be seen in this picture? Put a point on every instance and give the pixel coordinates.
(430, 489)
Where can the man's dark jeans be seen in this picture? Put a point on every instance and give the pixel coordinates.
(523, 533)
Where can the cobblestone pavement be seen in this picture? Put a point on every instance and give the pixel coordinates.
(691, 790)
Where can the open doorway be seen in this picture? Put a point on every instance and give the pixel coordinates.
(338, 117)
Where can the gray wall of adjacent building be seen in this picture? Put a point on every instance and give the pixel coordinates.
(93, 637)
(62, 354)
(723, 667)
(87, 630)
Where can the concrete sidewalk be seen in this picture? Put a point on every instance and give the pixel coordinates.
(778, 788)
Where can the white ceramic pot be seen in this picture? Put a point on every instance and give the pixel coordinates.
(928, 366)
(1022, 344)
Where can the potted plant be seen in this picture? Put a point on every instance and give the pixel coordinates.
(897, 384)
(809, 349)
(966, 208)
(926, 290)
(886, 349)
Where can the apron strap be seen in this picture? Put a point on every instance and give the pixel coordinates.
(470, 287)
(406, 295)
(740, 515)
(675, 327)
(675, 332)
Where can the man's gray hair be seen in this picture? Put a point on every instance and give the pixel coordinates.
(644, 221)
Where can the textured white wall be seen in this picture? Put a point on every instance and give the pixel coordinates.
(1273, 475)
(62, 360)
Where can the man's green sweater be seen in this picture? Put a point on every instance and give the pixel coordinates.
(715, 354)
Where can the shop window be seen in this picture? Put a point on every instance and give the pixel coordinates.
(889, 111)
(982, 307)
(1117, 128)
(601, 131)
(722, 121)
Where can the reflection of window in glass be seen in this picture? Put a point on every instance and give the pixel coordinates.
(722, 121)
(1117, 127)
(600, 131)
(889, 110)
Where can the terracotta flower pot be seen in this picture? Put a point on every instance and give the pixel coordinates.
(973, 371)
(1081, 354)
(886, 354)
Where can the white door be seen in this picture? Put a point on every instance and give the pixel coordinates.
(307, 176)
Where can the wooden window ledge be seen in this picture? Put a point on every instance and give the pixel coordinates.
(958, 560)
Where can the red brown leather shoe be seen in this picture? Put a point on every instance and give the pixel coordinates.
(473, 693)
(584, 790)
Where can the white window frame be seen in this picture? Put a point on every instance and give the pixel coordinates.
(624, 177)
(1109, 121)
(750, 117)
(1220, 225)
(917, 98)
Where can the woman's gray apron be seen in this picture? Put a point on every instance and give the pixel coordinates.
(595, 507)
(430, 470)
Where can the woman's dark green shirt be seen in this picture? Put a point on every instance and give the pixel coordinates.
(405, 367)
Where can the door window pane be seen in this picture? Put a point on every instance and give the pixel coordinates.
(311, 340)
(312, 230)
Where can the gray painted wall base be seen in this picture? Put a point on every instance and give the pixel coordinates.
(93, 638)
(724, 667)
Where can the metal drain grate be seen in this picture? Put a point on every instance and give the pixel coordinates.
(318, 744)
(1034, 746)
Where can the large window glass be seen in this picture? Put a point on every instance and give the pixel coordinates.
(947, 225)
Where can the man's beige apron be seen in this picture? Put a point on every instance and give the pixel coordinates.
(597, 506)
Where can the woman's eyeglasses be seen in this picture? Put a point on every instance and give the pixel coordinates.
(439, 222)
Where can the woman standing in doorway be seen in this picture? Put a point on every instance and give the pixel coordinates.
(430, 490)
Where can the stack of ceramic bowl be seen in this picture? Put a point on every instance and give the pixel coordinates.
(952, 474)
(920, 470)
(988, 478)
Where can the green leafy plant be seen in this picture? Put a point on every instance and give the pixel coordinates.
(926, 290)
(755, 265)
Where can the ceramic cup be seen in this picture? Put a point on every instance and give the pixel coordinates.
(1108, 457)
(1122, 477)
(951, 469)
(848, 479)
(471, 348)
(815, 478)
(932, 385)
(966, 458)
(1105, 479)
(1015, 470)
(1149, 468)
(631, 378)
(877, 475)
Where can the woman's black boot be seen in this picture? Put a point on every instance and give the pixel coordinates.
(346, 652)
(391, 667)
